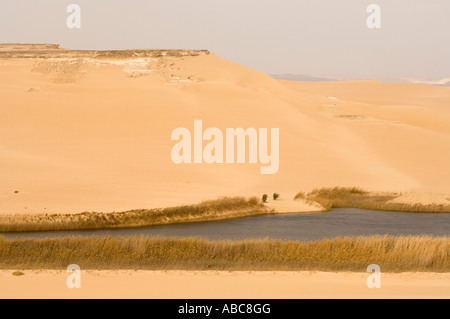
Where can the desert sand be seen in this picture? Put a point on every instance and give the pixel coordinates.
(79, 132)
(83, 131)
(198, 284)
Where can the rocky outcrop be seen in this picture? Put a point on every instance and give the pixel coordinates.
(54, 51)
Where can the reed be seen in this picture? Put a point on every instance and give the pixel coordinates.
(213, 210)
(340, 197)
(392, 254)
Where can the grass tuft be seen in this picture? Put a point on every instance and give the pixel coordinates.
(18, 273)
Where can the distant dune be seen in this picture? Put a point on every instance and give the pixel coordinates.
(90, 130)
(309, 78)
(443, 82)
(299, 77)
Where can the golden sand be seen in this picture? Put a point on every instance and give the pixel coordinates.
(212, 284)
(92, 133)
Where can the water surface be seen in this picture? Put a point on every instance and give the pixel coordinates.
(338, 222)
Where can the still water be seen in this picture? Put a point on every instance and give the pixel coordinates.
(338, 222)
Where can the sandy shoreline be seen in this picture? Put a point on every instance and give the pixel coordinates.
(214, 284)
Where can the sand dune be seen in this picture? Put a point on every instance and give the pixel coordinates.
(83, 131)
(212, 284)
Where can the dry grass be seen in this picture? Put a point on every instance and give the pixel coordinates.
(339, 197)
(300, 195)
(393, 254)
(221, 209)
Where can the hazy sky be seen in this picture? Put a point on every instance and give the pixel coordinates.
(315, 37)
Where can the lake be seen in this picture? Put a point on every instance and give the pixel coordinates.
(304, 227)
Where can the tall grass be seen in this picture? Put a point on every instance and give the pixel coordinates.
(224, 208)
(339, 197)
(393, 254)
